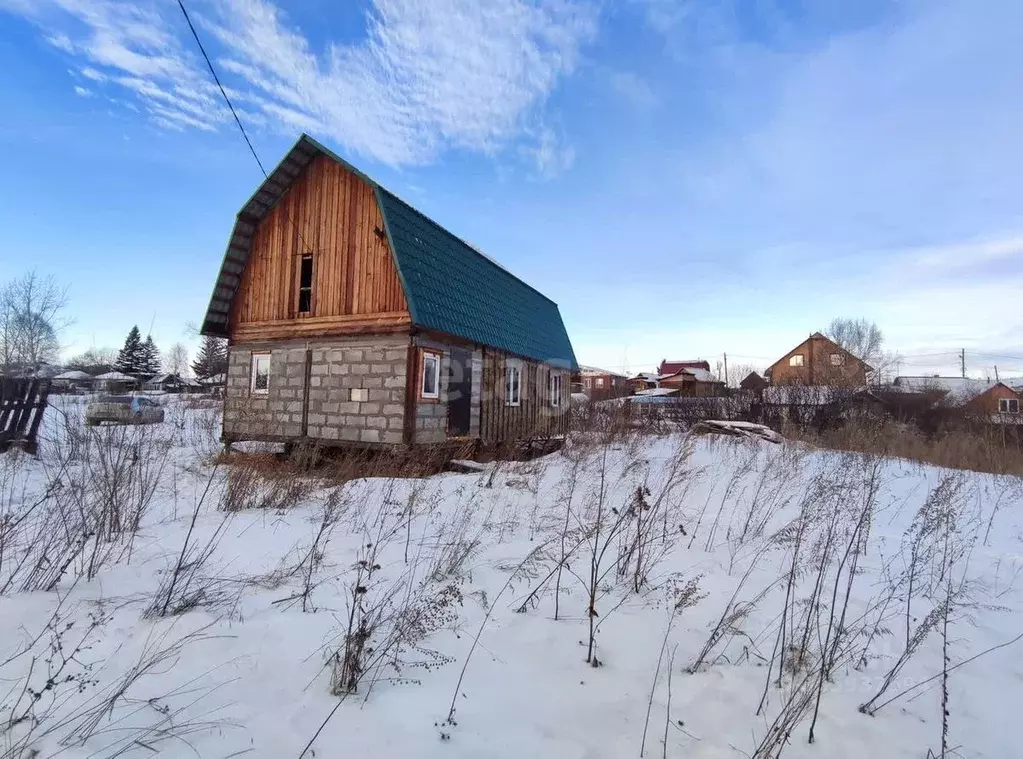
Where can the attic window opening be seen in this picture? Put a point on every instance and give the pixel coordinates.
(305, 284)
(1008, 405)
(796, 360)
(837, 359)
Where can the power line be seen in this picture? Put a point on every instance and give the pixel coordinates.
(223, 92)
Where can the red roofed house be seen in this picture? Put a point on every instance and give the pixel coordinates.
(673, 367)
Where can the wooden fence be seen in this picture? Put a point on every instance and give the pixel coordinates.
(22, 403)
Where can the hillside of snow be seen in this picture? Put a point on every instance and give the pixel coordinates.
(660, 596)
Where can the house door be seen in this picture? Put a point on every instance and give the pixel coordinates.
(459, 392)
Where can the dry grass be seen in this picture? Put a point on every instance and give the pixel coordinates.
(978, 449)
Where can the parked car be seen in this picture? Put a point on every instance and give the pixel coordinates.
(123, 409)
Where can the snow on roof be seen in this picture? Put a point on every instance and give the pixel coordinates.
(957, 390)
(116, 376)
(657, 391)
(74, 374)
(700, 375)
(584, 369)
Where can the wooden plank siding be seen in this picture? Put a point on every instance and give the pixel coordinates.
(332, 214)
(534, 416)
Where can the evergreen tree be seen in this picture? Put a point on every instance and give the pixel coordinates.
(130, 358)
(212, 357)
(150, 364)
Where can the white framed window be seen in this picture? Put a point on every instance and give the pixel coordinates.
(429, 386)
(1008, 405)
(260, 381)
(512, 382)
(796, 360)
(600, 382)
(837, 359)
(555, 389)
(586, 381)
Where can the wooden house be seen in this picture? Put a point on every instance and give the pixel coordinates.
(673, 367)
(995, 400)
(171, 383)
(818, 360)
(753, 383)
(642, 381)
(599, 384)
(351, 317)
(693, 383)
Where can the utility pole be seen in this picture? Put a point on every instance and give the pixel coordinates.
(726, 369)
(962, 359)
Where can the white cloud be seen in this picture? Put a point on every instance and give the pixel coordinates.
(61, 42)
(90, 73)
(83, 92)
(428, 76)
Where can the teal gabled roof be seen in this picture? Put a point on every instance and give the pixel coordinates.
(450, 286)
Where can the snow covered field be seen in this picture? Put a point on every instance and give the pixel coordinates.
(152, 602)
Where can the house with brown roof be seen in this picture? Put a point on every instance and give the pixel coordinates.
(818, 360)
(693, 382)
(673, 367)
(599, 384)
(975, 396)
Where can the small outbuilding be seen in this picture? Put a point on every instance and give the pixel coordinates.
(115, 382)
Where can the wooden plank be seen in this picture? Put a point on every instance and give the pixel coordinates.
(408, 431)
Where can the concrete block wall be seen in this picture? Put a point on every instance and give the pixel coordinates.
(374, 366)
(275, 414)
(377, 366)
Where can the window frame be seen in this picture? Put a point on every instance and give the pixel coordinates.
(1008, 403)
(555, 393)
(797, 361)
(305, 289)
(510, 365)
(837, 359)
(438, 356)
(253, 373)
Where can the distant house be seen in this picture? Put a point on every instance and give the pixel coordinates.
(71, 381)
(599, 383)
(693, 382)
(354, 318)
(115, 382)
(818, 360)
(753, 382)
(643, 381)
(171, 383)
(972, 395)
(673, 367)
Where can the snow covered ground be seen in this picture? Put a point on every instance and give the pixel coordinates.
(138, 615)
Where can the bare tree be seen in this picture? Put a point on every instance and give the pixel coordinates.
(860, 337)
(94, 360)
(176, 360)
(31, 318)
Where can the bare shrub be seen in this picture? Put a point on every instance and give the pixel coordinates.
(64, 695)
(187, 584)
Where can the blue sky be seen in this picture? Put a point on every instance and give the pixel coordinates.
(683, 178)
